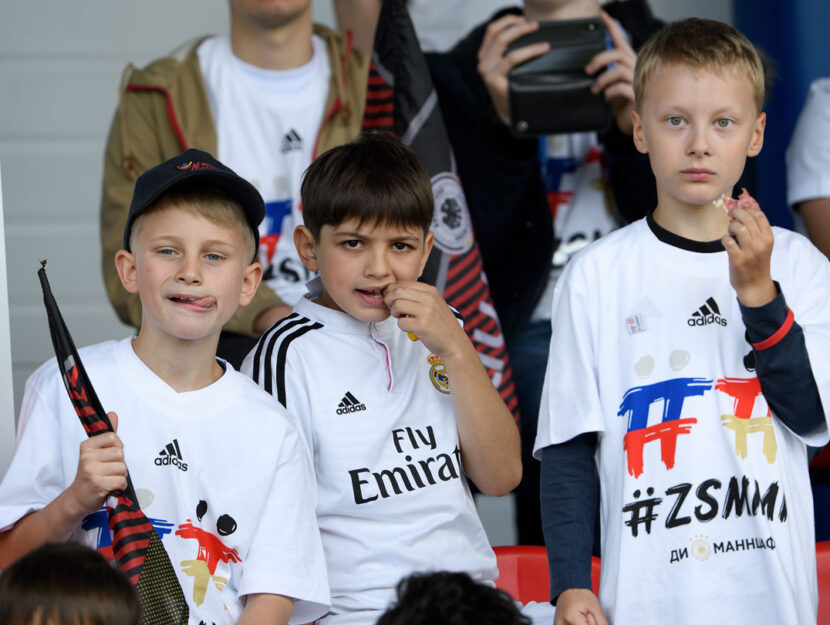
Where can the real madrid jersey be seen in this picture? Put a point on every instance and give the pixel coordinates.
(376, 411)
(706, 506)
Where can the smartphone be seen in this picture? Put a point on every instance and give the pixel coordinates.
(551, 94)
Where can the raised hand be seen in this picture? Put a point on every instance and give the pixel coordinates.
(101, 470)
(494, 64)
(616, 82)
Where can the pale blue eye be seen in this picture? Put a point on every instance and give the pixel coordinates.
(724, 123)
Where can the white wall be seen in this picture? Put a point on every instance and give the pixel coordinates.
(60, 65)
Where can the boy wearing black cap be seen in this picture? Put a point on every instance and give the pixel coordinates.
(217, 466)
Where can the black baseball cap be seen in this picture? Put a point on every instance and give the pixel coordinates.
(195, 169)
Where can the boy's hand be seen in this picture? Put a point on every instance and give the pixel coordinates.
(749, 246)
(101, 470)
(493, 64)
(615, 83)
(578, 606)
(420, 309)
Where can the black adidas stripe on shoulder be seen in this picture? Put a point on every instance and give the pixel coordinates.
(265, 338)
(269, 366)
(457, 314)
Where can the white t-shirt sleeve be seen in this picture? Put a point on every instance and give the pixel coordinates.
(36, 474)
(570, 403)
(298, 405)
(808, 155)
(286, 554)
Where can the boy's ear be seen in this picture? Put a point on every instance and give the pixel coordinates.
(126, 268)
(637, 132)
(250, 282)
(306, 247)
(757, 136)
(429, 240)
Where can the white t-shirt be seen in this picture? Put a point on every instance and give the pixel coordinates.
(266, 126)
(221, 473)
(808, 155)
(440, 24)
(698, 482)
(375, 409)
(580, 198)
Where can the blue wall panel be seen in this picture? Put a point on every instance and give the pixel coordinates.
(796, 35)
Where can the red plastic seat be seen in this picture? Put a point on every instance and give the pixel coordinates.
(523, 572)
(823, 568)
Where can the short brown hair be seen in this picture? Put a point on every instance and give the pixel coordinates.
(66, 584)
(213, 205)
(699, 44)
(374, 178)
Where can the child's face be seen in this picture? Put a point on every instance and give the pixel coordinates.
(358, 261)
(698, 127)
(190, 273)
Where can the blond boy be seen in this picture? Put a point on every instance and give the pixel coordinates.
(680, 381)
(218, 469)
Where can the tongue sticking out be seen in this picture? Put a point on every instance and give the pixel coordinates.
(200, 302)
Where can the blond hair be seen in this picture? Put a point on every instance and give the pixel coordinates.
(213, 205)
(699, 44)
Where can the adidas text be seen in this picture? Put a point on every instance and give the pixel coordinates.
(707, 320)
(346, 409)
(171, 460)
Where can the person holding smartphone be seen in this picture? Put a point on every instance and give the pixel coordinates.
(536, 201)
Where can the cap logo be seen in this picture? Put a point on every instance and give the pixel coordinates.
(194, 166)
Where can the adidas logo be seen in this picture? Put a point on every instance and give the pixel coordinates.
(171, 454)
(291, 141)
(707, 314)
(349, 403)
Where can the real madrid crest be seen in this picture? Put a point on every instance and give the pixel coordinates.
(438, 374)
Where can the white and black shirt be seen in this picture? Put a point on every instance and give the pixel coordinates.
(375, 409)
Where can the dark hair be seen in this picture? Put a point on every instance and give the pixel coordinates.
(66, 584)
(444, 598)
(374, 178)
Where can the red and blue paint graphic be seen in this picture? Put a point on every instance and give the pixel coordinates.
(636, 403)
(671, 395)
(275, 213)
(99, 521)
(555, 167)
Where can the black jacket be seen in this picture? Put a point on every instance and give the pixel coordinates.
(501, 174)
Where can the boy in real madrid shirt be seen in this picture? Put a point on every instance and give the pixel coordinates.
(393, 400)
(219, 470)
(679, 382)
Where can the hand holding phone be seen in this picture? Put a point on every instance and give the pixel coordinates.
(552, 93)
(494, 63)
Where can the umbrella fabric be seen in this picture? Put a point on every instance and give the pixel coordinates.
(136, 546)
(401, 100)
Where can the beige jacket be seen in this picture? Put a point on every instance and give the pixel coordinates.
(164, 110)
